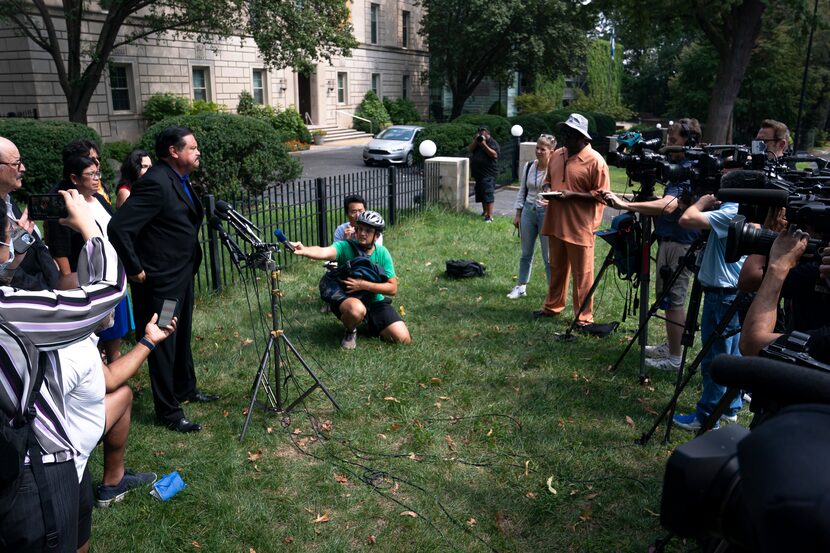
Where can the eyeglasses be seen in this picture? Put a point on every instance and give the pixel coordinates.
(93, 175)
(15, 164)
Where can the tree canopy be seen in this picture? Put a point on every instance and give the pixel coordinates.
(469, 40)
(292, 34)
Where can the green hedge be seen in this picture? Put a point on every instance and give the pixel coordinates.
(451, 139)
(532, 126)
(287, 122)
(161, 106)
(606, 124)
(118, 150)
(238, 152)
(401, 111)
(40, 144)
(499, 126)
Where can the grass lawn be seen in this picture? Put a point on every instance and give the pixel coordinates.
(485, 434)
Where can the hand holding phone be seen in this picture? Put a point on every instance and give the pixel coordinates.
(168, 309)
(47, 207)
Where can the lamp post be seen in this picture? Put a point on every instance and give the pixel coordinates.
(427, 148)
(516, 131)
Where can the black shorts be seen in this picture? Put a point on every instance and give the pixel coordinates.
(486, 190)
(85, 501)
(379, 315)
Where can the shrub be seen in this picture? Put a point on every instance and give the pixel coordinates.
(533, 102)
(606, 124)
(201, 106)
(532, 126)
(499, 126)
(160, 106)
(401, 111)
(40, 144)
(290, 124)
(238, 152)
(246, 105)
(118, 151)
(451, 139)
(371, 108)
(497, 108)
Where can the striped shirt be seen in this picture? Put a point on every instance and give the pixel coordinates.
(33, 325)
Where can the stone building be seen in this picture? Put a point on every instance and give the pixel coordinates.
(390, 58)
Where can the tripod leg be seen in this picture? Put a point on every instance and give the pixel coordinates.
(317, 382)
(257, 381)
(720, 409)
(609, 260)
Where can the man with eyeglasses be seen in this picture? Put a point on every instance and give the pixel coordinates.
(37, 271)
(776, 137)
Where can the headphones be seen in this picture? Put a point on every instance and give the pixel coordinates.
(686, 132)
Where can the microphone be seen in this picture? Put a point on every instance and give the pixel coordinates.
(245, 228)
(766, 198)
(283, 240)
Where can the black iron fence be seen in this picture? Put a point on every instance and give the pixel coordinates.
(308, 211)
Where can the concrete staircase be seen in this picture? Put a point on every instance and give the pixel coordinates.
(335, 134)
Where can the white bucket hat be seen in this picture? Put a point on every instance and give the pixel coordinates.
(578, 123)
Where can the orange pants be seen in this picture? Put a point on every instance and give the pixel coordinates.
(567, 258)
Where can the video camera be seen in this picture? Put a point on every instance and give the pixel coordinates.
(646, 162)
(761, 490)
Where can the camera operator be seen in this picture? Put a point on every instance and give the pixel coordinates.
(719, 280)
(484, 152)
(776, 137)
(673, 241)
(759, 329)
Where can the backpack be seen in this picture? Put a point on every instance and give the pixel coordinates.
(464, 268)
(331, 284)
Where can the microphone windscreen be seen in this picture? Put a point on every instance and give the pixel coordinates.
(743, 178)
(784, 382)
(280, 236)
(222, 206)
(776, 198)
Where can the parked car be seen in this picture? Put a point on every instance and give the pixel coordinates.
(393, 144)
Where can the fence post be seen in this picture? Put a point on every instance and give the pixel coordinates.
(322, 214)
(213, 245)
(392, 216)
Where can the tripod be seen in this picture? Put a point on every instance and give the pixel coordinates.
(740, 301)
(278, 346)
(687, 262)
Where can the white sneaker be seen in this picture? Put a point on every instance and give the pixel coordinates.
(349, 340)
(518, 291)
(664, 364)
(658, 352)
(729, 418)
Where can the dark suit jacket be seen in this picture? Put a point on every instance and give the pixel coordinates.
(157, 231)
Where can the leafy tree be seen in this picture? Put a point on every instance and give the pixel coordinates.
(287, 33)
(401, 111)
(469, 40)
(604, 78)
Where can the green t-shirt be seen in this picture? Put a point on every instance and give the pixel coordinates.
(380, 256)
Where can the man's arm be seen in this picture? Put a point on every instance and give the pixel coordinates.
(695, 217)
(327, 253)
(759, 325)
(752, 273)
(122, 369)
(661, 206)
(388, 288)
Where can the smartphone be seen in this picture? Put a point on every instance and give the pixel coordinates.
(46, 207)
(168, 309)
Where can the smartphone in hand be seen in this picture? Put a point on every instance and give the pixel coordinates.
(168, 309)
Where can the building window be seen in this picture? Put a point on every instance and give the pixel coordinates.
(121, 77)
(258, 85)
(342, 87)
(374, 17)
(376, 83)
(201, 84)
(405, 30)
(405, 87)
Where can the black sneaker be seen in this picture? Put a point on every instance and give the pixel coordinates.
(131, 480)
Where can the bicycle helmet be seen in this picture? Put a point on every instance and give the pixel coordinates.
(372, 219)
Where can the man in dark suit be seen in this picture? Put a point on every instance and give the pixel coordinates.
(156, 235)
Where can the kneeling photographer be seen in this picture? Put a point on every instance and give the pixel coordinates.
(673, 242)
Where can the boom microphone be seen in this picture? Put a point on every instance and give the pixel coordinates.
(766, 198)
(283, 240)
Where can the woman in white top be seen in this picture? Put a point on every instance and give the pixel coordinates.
(530, 213)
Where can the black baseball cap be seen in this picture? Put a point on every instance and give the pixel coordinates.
(483, 128)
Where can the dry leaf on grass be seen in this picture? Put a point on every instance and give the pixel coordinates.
(415, 457)
(443, 398)
(629, 421)
(196, 544)
(437, 404)
(490, 433)
(394, 427)
(247, 342)
(327, 426)
(371, 540)
(254, 455)
(502, 522)
(391, 398)
(288, 540)
(297, 431)
(591, 496)
(321, 518)
(471, 522)
(551, 489)
(531, 495)
(450, 442)
(269, 429)
(225, 413)
(341, 479)
(412, 514)
(585, 515)
(251, 550)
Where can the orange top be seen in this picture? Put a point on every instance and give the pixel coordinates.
(576, 220)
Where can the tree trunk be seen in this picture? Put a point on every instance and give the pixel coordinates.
(745, 26)
(458, 101)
